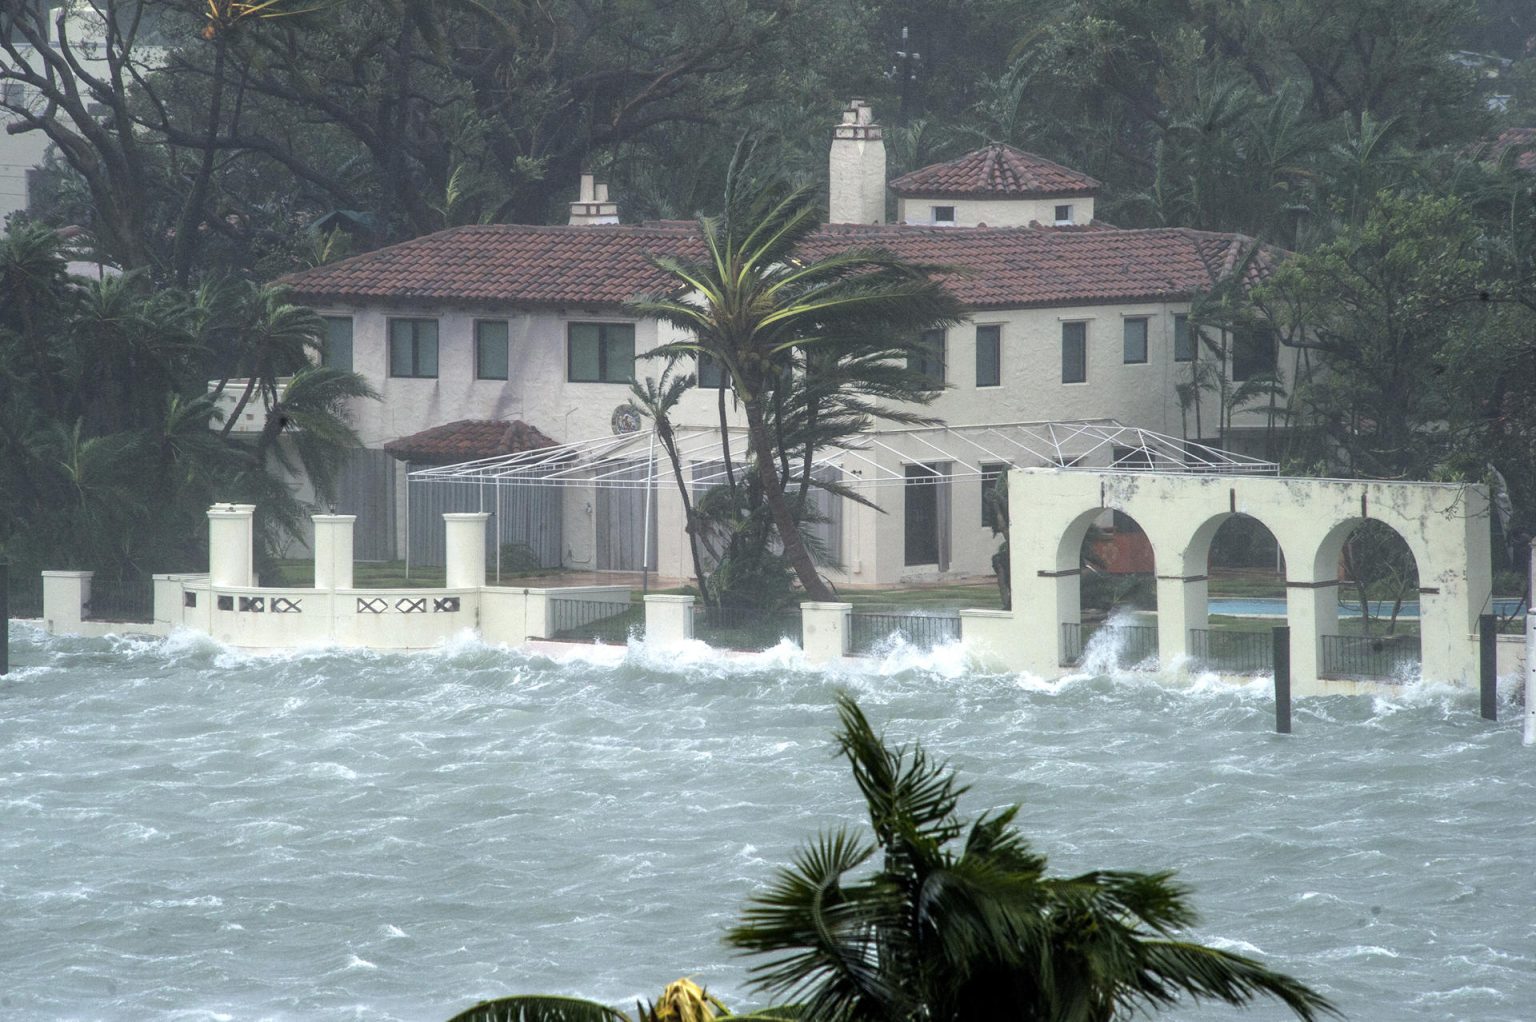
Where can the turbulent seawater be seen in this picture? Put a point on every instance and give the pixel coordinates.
(188, 832)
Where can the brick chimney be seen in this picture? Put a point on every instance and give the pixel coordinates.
(592, 205)
(856, 179)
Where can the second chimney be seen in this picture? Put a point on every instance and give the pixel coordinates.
(592, 205)
(856, 180)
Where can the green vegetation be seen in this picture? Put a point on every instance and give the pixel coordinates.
(812, 349)
(201, 145)
(113, 443)
(928, 917)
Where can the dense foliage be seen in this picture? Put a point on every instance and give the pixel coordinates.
(114, 444)
(211, 140)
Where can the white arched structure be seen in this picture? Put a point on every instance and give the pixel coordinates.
(1444, 524)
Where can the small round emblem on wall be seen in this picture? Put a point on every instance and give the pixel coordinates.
(626, 419)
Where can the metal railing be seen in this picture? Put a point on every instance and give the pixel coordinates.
(745, 628)
(1232, 651)
(1378, 657)
(924, 629)
(1071, 643)
(1136, 643)
(132, 601)
(589, 620)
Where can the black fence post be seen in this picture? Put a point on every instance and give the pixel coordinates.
(1282, 655)
(5, 618)
(1488, 665)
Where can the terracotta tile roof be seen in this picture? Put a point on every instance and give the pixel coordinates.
(1523, 141)
(467, 440)
(501, 263)
(1032, 267)
(1000, 267)
(996, 172)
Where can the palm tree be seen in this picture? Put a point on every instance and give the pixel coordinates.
(682, 1001)
(946, 921)
(656, 399)
(755, 298)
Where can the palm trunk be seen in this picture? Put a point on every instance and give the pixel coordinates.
(725, 439)
(690, 520)
(773, 495)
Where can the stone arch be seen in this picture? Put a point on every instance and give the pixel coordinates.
(1330, 546)
(1189, 594)
(1130, 550)
(1444, 526)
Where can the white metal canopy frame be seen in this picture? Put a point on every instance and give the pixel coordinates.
(631, 461)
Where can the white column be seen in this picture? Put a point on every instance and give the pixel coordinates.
(1312, 611)
(825, 630)
(668, 618)
(64, 597)
(1530, 664)
(230, 533)
(465, 560)
(333, 551)
(1181, 605)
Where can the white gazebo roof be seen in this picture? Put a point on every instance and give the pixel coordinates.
(636, 460)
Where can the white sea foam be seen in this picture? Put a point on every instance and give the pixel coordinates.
(472, 819)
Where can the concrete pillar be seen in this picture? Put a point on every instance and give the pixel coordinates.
(1529, 736)
(668, 618)
(1312, 611)
(333, 551)
(170, 604)
(1181, 605)
(826, 630)
(465, 561)
(65, 594)
(230, 533)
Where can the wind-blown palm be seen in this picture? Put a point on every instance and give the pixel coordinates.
(945, 934)
(755, 298)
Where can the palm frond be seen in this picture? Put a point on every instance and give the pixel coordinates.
(1170, 968)
(540, 1008)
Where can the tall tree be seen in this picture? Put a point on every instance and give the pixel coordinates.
(756, 298)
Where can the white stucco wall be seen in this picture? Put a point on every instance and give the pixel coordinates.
(536, 392)
(994, 212)
(1444, 525)
(1140, 394)
(1031, 389)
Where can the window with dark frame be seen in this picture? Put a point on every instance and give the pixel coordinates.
(601, 353)
(929, 361)
(413, 348)
(711, 373)
(989, 356)
(337, 352)
(1253, 354)
(991, 472)
(1184, 348)
(1074, 352)
(491, 349)
(1136, 340)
